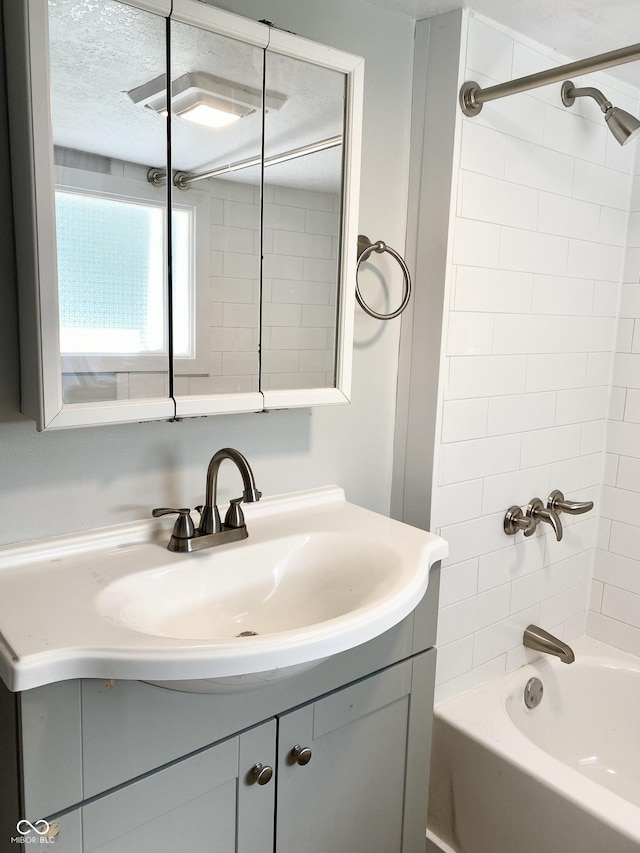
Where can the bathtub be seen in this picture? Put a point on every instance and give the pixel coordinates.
(560, 778)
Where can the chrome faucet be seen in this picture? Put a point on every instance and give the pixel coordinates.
(542, 641)
(211, 531)
(515, 519)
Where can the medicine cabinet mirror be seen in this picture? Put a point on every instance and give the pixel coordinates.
(188, 253)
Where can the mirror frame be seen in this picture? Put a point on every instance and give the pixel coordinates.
(34, 209)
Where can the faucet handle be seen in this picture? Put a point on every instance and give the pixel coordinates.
(558, 503)
(234, 517)
(515, 520)
(537, 511)
(183, 528)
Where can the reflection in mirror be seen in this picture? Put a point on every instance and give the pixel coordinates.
(110, 222)
(302, 224)
(216, 121)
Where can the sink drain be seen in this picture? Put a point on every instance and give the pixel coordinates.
(247, 634)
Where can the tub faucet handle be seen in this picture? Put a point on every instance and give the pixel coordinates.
(536, 510)
(558, 503)
(516, 520)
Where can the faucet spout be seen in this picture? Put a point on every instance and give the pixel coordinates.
(542, 641)
(210, 517)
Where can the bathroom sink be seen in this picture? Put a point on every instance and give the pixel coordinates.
(316, 576)
(288, 584)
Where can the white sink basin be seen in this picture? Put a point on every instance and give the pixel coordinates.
(287, 584)
(315, 577)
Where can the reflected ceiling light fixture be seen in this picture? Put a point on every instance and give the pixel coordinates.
(622, 124)
(204, 99)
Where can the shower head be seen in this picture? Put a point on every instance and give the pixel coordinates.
(622, 124)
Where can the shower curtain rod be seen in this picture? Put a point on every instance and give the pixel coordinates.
(472, 96)
(183, 180)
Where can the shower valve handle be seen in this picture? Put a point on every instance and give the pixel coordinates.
(558, 503)
(536, 511)
(516, 520)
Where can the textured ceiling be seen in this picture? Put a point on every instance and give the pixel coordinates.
(576, 28)
(101, 50)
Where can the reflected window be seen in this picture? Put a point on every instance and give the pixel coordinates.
(111, 276)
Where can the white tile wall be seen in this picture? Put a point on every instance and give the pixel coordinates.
(537, 254)
(614, 615)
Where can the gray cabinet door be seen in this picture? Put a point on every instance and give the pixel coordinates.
(196, 804)
(350, 796)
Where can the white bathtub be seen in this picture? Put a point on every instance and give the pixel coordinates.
(560, 778)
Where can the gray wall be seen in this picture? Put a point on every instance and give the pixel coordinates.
(53, 483)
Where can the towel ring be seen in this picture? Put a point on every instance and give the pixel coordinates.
(365, 248)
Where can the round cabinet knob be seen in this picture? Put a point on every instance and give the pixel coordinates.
(301, 754)
(261, 773)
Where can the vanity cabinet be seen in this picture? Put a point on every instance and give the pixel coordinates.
(183, 248)
(344, 792)
(127, 767)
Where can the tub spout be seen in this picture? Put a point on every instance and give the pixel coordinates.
(541, 641)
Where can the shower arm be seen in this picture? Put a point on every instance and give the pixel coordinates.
(569, 93)
(472, 96)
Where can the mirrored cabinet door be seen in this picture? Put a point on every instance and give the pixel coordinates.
(311, 170)
(302, 222)
(216, 154)
(100, 227)
(110, 223)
